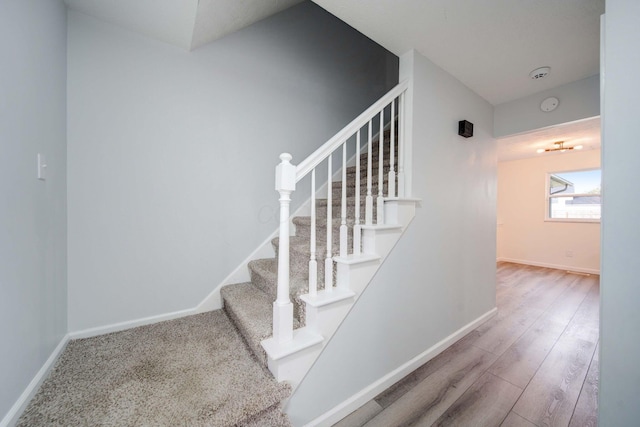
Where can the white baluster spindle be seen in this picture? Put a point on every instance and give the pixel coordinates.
(401, 131)
(343, 216)
(380, 198)
(328, 262)
(282, 307)
(313, 263)
(392, 172)
(368, 207)
(357, 228)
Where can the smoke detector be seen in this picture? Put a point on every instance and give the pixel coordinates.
(540, 73)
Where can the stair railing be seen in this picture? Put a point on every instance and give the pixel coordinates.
(288, 175)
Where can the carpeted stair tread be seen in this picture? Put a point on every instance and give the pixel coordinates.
(272, 417)
(304, 223)
(252, 312)
(193, 371)
(265, 274)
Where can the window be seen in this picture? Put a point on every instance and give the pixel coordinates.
(574, 196)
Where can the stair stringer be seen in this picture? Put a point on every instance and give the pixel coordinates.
(326, 311)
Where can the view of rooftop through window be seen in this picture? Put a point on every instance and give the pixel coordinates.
(584, 182)
(574, 195)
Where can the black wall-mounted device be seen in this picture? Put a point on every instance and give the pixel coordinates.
(465, 128)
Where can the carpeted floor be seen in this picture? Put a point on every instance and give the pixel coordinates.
(193, 371)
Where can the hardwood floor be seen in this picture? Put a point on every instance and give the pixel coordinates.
(534, 364)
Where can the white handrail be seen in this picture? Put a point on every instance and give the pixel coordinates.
(331, 145)
(288, 175)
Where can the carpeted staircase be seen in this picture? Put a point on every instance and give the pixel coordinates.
(250, 305)
(209, 369)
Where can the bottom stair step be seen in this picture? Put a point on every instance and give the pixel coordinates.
(251, 310)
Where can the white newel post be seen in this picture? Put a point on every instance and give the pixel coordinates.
(282, 307)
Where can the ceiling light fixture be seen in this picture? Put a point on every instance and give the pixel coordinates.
(540, 73)
(559, 146)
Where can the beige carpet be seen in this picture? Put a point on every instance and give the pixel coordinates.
(194, 371)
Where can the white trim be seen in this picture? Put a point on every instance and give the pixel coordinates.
(366, 394)
(549, 265)
(121, 326)
(11, 418)
(213, 300)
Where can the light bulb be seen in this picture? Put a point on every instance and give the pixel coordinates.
(578, 147)
(540, 150)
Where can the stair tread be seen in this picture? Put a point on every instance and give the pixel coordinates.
(251, 311)
(321, 221)
(268, 267)
(301, 245)
(350, 200)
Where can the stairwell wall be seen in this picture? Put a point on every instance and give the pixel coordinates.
(33, 221)
(172, 153)
(441, 275)
(619, 385)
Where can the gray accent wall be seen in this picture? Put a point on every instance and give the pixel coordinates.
(620, 280)
(442, 273)
(172, 153)
(33, 220)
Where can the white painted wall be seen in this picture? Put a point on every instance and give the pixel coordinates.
(523, 234)
(441, 275)
(172, 154)
(620, 283)
(33, 255)
(578, 100)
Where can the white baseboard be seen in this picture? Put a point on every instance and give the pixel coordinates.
(11, 418)
(116, 327)
(357, 400)
(549, 265)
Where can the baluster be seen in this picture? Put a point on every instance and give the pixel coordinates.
(328, 262)
(392, 173)
(368, 208)
(357, 228)
(282, 306)
(401, 131)
(343, 218)
(313, 264)
(380, 198)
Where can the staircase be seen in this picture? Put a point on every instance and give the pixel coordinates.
(319, 272)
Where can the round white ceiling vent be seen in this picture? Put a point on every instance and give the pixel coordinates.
(540, 73)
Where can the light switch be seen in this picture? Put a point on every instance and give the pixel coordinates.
(42, 167)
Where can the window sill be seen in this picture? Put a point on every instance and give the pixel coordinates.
(573, 220)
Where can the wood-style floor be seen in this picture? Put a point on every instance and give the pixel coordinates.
(534, 364)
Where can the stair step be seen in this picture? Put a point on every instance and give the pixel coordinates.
(336, 207)
(351, 170)
(251, 310)
(272, 416)
(351, 188)
(303, 228)
(264, 276)
(303, 231)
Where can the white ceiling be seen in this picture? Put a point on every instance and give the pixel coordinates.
(583, 132)
(185, 23)
(489, 45)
